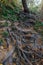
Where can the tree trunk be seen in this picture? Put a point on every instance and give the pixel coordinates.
(25, 6)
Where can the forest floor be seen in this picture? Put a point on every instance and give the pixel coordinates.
(23, 32)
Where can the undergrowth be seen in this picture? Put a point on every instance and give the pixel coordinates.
(9, 12)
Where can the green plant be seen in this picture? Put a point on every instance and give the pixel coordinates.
(5, 24)
(5, 34)
(1, 41)
(38, 24)
(9, 12)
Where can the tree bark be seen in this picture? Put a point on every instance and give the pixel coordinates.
(26, 9)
